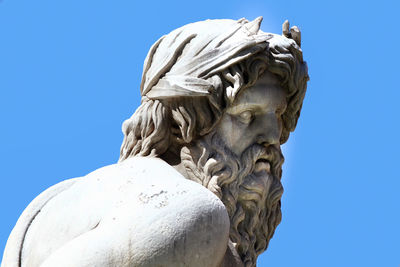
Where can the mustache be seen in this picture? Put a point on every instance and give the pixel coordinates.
(272, 154)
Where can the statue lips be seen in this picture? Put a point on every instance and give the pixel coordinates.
(264, 160)
(262, 164)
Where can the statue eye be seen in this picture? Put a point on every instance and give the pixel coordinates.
(246, 116)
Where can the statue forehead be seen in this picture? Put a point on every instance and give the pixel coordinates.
(265, 92)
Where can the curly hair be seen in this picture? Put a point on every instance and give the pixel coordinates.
(162, 125)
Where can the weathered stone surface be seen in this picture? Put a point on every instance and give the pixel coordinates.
(198, 181)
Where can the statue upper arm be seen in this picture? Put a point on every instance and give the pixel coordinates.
(177, 224)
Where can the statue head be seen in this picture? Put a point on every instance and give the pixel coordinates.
(219, 97)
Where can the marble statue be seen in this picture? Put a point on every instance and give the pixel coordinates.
(198, 180)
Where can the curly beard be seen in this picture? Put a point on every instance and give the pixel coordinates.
(250, 193)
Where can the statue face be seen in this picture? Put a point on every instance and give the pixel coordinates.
(254, 116)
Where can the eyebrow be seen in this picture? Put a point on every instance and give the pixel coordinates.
(254, 106)
(244, 106)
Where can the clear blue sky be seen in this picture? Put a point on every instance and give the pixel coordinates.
(70, 74)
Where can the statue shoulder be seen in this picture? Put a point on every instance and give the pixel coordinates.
(139, 212)
(183, 223)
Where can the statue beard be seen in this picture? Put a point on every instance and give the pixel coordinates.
(250, 190)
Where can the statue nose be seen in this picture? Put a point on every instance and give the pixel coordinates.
(270, 130)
